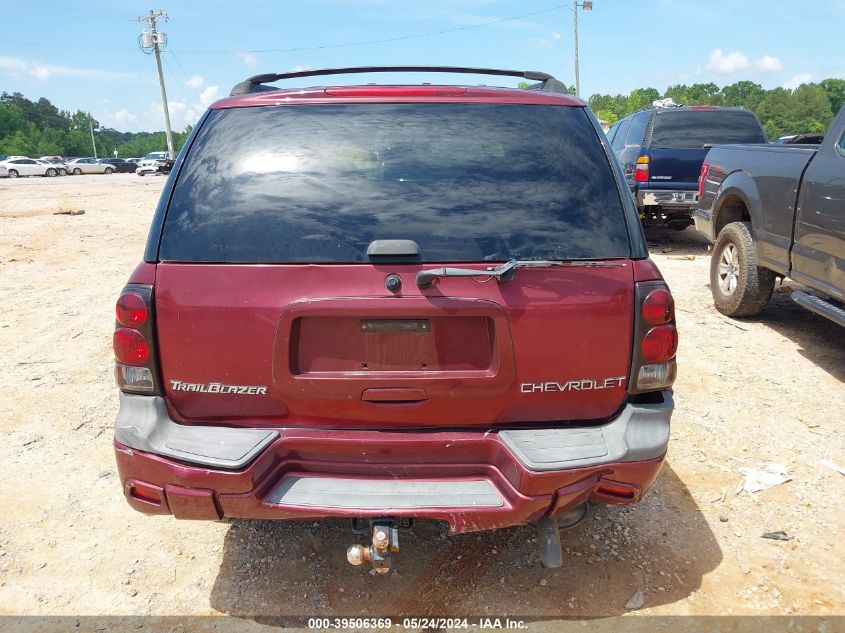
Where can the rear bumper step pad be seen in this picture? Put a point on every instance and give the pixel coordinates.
(369, 494)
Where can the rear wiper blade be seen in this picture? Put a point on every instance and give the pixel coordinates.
(506, 271)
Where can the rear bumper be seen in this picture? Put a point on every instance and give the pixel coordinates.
(471, 479)
(678, 200)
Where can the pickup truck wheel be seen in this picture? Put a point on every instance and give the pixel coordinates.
(740, 288)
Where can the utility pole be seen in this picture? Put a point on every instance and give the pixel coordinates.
(155, 40)
(587, 6)
(91, 129)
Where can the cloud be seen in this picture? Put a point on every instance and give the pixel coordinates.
(16, 67)
(768, 64)
(124, 117)
(249, 59)
(556, 35)
(723, 64)
(12, 64)
(797, 80)
(195, 82)
(208, 95)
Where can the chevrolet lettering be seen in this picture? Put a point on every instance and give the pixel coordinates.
(587, 384)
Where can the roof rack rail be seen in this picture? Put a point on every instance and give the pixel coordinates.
(547, 83)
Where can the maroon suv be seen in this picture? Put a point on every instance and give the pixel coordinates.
(394, 302)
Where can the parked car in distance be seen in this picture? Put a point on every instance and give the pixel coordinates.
(776, 211)
(58, 164)
(149, 164)
(340, 240)
(22, 166)
(120, 165)
(80, 166)
(661, 150)
(800, 139)
(134, 161)
(4, 171)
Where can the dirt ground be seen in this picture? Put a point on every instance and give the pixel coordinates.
(770, 389)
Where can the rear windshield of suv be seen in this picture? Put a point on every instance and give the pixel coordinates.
(467, 182)
(698, 128)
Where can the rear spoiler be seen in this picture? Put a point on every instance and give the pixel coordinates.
(547, 83)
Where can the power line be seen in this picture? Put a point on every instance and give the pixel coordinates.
(74, 46)
(397, 38)
(179, 83)
(184, 74)
(381, 41)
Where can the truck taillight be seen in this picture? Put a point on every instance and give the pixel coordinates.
(135, 369)
(641, 170)
(655, 338)
(705, 169)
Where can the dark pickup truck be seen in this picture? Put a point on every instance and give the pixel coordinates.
(776, 211)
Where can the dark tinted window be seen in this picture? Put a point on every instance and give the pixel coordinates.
(612, 132)
(697, 128)
(467, 182)
(636, 133)
(619, 139)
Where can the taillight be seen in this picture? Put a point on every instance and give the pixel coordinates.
(135, 368)
(641, 171)
(131, 309)
(660, 344)
(655, 338)
(659, 307)
(130, 347)
(705, 169)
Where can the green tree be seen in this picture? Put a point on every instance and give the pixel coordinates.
(639, 98)
(809, 109)
(746, 94)
(773, 112)
(835, 91)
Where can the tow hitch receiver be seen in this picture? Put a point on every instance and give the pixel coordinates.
(385, 543)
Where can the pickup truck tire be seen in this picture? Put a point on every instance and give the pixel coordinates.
(740, 288)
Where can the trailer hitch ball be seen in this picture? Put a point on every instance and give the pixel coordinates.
(385, 541)
(357, 555)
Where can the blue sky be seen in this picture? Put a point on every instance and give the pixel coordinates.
(84, 55)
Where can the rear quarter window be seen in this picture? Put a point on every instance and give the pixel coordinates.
(619, 139)
(467, 182)
(700, 128)
(636, 133)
